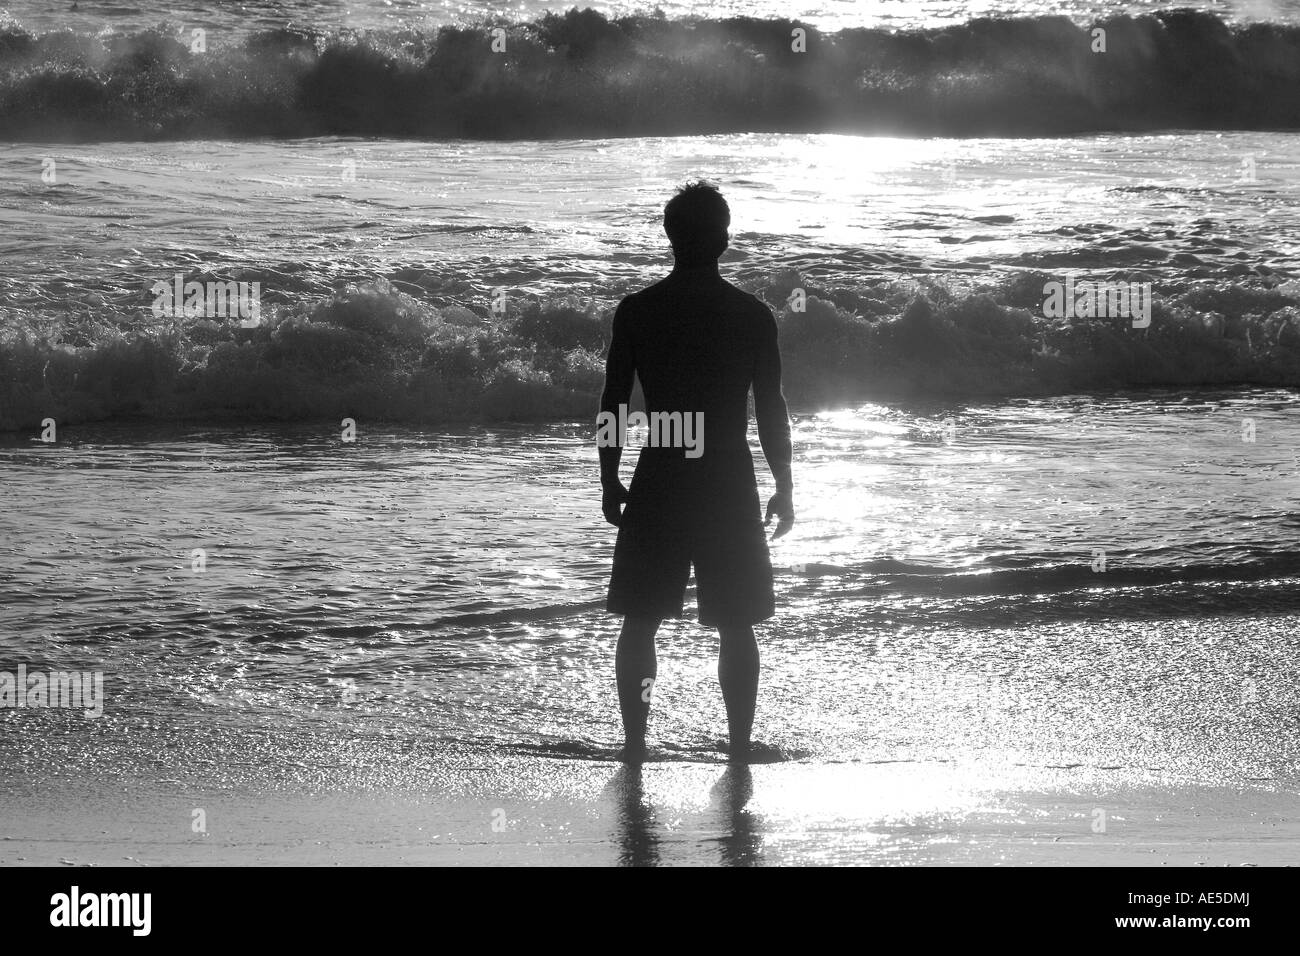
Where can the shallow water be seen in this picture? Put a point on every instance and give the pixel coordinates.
(416, 592)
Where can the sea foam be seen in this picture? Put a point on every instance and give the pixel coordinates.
(376, 351)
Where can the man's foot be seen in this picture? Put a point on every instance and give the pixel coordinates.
(632, 753)
(754, 752)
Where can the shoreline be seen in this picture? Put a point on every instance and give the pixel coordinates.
(580, 813)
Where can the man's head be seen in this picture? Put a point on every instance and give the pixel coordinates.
(696, 220)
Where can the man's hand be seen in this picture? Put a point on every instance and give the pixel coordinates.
(611, 502)
(781, 505)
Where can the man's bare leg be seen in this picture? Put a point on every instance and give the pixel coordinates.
(634, 662)
(738, 675)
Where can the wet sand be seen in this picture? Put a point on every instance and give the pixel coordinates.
(525, 811)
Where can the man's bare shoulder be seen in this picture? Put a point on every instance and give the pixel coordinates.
(747, 306)
(653, 291)
(751, 302)
(638, 300)
(663, 297)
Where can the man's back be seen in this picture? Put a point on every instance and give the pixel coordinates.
(697, 344)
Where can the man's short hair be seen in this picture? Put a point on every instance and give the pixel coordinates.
(696, 220)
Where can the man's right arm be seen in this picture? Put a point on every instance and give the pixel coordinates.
(769, 405)
(620, 372)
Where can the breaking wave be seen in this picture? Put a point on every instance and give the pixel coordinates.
(582, 75)
(373, 349)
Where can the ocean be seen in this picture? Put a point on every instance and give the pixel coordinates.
(1024, 542)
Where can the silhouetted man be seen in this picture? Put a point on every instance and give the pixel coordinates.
(698, 344)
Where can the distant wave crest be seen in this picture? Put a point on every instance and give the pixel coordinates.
(579, 74)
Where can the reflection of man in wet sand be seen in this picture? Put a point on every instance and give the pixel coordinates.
(697, 344)
(640, 836)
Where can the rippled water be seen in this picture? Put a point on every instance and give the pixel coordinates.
(942, 596)
(584, 216)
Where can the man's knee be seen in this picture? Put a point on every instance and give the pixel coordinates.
(639, 628)
(736, 635)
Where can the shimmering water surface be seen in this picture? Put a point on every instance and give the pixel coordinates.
(462, 219)
(942, 594)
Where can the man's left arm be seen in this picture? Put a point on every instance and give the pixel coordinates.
(774, 423)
